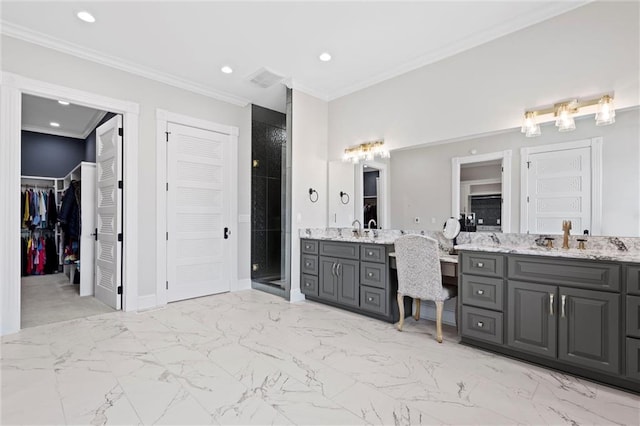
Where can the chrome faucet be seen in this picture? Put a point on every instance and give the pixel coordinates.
(375, 225)
(357, 231)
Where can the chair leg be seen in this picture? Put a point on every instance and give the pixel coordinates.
(439, 306)
(416, 315)
(401, 309)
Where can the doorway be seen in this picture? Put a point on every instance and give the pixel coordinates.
(63, 275)
(371, 189)
(11, 91)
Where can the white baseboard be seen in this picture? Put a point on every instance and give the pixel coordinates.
(242, 284)
(147, 302)
(296, 296)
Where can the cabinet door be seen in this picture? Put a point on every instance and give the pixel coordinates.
(348, 272)
(531, 318)
(589, 329)
(327, 286)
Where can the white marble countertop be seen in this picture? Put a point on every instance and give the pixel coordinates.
(591, 254)
(350, 239)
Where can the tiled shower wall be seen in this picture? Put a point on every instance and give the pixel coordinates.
(268, 144)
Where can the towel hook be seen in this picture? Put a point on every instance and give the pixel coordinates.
(342, 195)
(311, 192)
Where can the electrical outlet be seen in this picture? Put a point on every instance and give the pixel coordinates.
(416, 219)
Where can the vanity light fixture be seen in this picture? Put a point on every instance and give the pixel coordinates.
(365, 151)
(564, 112)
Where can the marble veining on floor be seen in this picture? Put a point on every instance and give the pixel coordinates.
(253, 358)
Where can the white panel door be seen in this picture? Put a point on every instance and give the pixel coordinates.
(109, 212)
(198, 210)
(559, 189)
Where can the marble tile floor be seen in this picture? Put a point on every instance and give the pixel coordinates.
(252, 358)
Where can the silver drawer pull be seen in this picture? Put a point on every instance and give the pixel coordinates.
(307, 247)
(480, 292)
(480, 324)
(370, 299)
(370, 253)
(550, 303)
(563, 299)
(307, 263)
(307, 284)
(370, 274)
(480, 265)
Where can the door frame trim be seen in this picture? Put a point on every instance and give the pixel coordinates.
(163, 118)
(12, 86)
(596, 178)
(505, 156)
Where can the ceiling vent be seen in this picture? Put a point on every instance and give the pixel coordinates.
(265, 78)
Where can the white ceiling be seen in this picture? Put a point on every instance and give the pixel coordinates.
(75, 121)
(186, 43)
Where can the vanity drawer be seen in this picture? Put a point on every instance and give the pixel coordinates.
(309, 285)
(633, 359)
(633, 316)
(573, 273)
(373, 300)
(483, 292)
(487, 264)
(309, 264)
(309, 246)
(339, 249)
(482, 324)
(373, 274)
(633, 280)
(371, 253)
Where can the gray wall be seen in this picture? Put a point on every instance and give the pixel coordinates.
(49, 155)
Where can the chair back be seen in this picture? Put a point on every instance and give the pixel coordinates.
(418, 263)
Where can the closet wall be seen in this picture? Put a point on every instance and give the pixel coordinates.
(49, 155)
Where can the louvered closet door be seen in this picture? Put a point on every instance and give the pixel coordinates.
(198, 201)
(109, 212)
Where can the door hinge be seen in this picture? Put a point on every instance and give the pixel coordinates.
(120, 131)
(120, 236)
(119, 289)
(120, 184)
(167, 285)
(167, 235)
(167, 135)
(167, 186)
(95, 235)
(528, 164)
(502, 169)
(527, 198)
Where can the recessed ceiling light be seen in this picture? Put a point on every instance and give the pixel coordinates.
(325, 57)
(226, 69)
(54, 124)
(63, 102)
(86, 16)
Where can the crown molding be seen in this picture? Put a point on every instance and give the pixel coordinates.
(35, 37)
(474, 40)
(292, 84)
(93, 123)
(51, 131)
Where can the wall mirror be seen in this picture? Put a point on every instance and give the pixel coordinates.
(365, 188)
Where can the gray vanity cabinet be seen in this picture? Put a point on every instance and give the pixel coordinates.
(340, 280)
(353, 276)
(531, 318)
(589, 328)
(568, 314)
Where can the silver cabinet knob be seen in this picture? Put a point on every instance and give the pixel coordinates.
(307, 247)
(370, 274)
(307, 284)
(370, 299)
(370, 253)
(307, 264)
(480, 324)
(480, 292)
(480, 265)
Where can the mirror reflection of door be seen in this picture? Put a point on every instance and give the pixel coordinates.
(371, 191)
(481, 196)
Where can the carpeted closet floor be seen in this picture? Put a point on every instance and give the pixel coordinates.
(47, 299)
